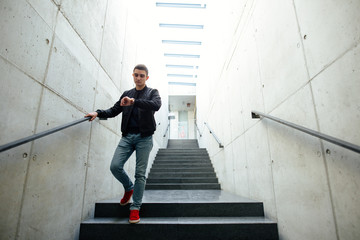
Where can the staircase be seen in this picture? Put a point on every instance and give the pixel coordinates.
(182, 144)
(182, 202)
(182, 165)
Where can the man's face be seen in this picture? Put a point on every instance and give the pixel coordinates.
(140, 78)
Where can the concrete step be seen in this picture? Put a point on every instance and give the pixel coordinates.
(182, 180)
(182, 186)
(199, 228)
(182, 144)
(181, 174)
(166, 150)
(182, 209)
(159, 162)
(181, 160)
(186, 160)
(188, 156)
(182, 165)
(190, 169)
(171, 157)
(176, 151)
(182, 150)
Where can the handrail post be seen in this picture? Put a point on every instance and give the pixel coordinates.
(214, 135)
(254, 115)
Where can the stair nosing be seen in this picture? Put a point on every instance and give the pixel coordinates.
(183, 220)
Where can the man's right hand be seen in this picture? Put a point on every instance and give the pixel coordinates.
(93, 115)
(126, 101)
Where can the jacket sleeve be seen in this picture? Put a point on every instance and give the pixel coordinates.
(111, 112)
(152, 104)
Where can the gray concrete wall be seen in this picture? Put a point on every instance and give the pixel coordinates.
(58, 60)
(299, 61)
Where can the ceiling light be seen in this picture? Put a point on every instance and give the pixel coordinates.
(181, 42)
(180, 75)
(179, 66)
(181, 55)
(180, 5)
(187, 26)
(182, 83)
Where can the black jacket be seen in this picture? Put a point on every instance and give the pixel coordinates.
(147, 103)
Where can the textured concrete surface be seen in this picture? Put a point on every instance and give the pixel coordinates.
(296, 60)
(58, 60)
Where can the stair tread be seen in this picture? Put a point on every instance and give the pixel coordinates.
(185, 203)
(197, 174)
(182, 180)
(189, 168)
(176, 161)
(183, 187)
(182, 161)
(179, 172)
(195, 166)
(182, 168)
(172, 179)
(184, 220)
(165, 173)
(188, 196)
(194, 178)
(165, 183)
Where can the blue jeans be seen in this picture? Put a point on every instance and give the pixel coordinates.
(126, 146)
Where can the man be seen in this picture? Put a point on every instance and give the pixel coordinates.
(138, 106)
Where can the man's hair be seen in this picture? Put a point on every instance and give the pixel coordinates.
(142, 67)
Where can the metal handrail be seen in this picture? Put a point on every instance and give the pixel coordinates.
(40, 135)
(339, 142)
(167, 128)
(216, 138)
(198, 129)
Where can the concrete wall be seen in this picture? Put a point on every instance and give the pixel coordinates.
(58, 60)
(300, 61)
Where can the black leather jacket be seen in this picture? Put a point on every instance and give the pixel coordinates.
(147, 103)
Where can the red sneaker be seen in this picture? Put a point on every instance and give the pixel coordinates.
(134, 216)
(126, 199)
